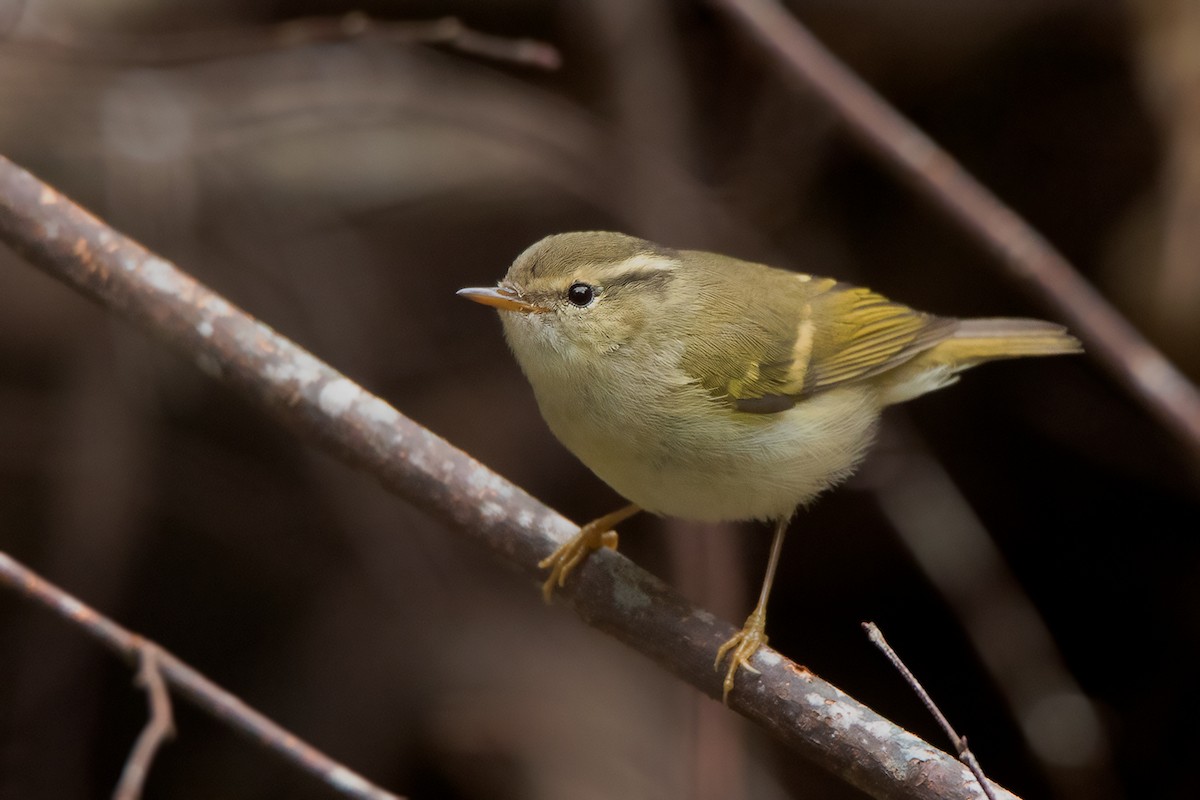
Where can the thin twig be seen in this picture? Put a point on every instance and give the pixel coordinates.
(323, 406)
(177, 48)
(958, 555)
(159, 728)
(190, 683)
(1148, 374)
(959, 742)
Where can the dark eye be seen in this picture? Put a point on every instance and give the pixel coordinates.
(580, 294)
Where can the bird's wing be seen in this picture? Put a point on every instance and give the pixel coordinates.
(803, 336)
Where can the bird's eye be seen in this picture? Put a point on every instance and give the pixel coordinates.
(580, 294)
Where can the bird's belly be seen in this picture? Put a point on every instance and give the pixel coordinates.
(724, 466)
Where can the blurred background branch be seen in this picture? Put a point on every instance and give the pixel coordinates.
(160, 726)
(155, 664)
(191, 46)
(1153, 379)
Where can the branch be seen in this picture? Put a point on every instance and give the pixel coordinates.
(1154, 380)
(190, 683)
(323, 406)
(175, 48)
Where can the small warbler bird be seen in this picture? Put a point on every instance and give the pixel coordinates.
(708, 388)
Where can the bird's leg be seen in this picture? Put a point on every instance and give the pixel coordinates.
(745, 643)
(596, 534)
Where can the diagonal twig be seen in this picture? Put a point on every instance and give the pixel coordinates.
(1146, 372)
(190, 683)
(959, 742)
(325, 407)
(958, 555)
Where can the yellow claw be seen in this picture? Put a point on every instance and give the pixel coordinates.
(596, 534)
(570, 553)
(741, 647)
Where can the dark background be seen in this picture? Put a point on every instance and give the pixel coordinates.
(341, 191)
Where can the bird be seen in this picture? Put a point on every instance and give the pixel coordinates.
(709, 388)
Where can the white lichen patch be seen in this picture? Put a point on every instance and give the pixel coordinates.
(880, 728)
(205, 329)
(493, 512)
(844, 716)
(163, 276)
(629, 595)
(815, 700)
(262, 335)
(484, 481)
(337, 396)
(300, 369)
(859, 724)
(216, 305)
(377, 411)
(768, 657)
(917, 749)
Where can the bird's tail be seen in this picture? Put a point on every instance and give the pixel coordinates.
(974, 342)
(980, 340)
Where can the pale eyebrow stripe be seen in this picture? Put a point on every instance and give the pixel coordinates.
(643, 264)
(648, 261)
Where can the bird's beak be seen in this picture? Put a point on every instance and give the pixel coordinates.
(500, 297)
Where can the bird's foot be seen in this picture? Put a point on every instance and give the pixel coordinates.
(561, 562)
(741, 648)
